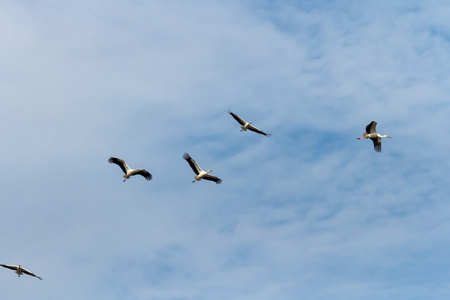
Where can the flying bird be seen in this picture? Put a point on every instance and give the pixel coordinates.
(200, 173)
(20, 271)
(371, 133)
(129, 172)
(246, 125)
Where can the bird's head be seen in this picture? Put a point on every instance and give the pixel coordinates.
(364, 136)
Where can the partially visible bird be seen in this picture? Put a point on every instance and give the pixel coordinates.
(371, 133)
(20, 271)
(200, 173)
(129, 172)
(246, 125)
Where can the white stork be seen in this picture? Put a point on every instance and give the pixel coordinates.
(20, 271)
(129, 172)
(371, 133)
(246, 125)
(200, 173)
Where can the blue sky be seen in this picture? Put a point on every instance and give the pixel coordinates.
(309, 213)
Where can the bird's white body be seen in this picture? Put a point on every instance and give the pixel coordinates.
(245, 126)
(130, 173)
(201, 175)
(19, 271)
(377, 135)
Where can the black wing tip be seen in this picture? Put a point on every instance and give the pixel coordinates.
(186, 156)
(112, 160)
(261, 132)
(144, 173)
(377, 148)
(213, 178)
(234, 116)
(9, 267)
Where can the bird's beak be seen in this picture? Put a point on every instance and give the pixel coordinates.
(389, 137)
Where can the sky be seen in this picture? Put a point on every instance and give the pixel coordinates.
(308, 213)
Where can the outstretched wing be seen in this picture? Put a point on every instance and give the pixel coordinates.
(144, 173)
(29, 273)
(372, 127)
(192, 163)
(121, 163)
(9, 267)
(237, 118)
(254, 129)
(212, 178)
(376, 144)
